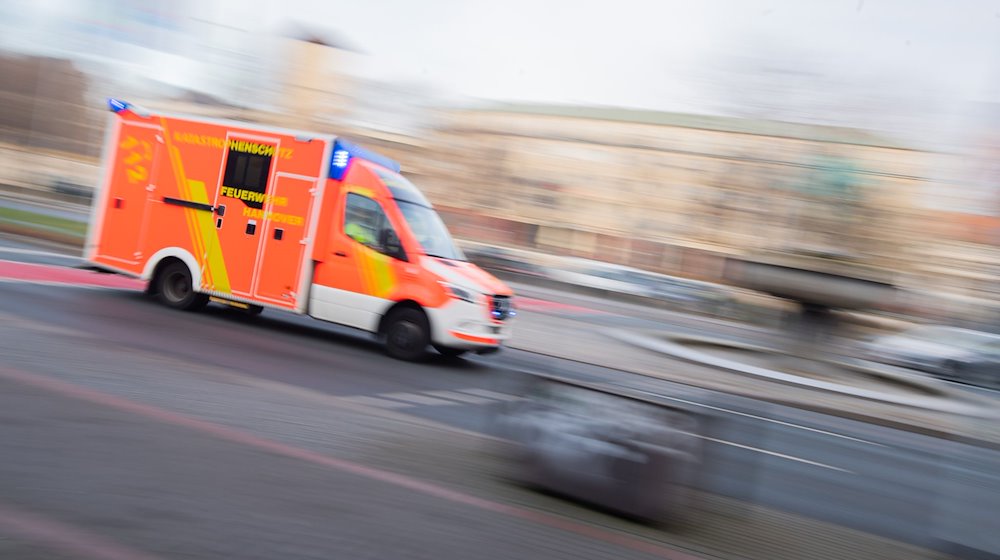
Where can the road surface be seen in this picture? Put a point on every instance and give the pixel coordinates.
(167, 487)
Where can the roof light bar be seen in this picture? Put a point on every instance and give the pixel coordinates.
(344, 151)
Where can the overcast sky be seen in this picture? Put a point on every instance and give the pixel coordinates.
(883, 56)
(878, 63)
(659, 53)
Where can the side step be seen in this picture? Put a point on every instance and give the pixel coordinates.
(249, 308)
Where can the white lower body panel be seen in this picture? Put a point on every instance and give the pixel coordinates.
(457, 324)
(344, 307)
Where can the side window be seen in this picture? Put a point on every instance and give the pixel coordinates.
(247, 167)
(366, 223)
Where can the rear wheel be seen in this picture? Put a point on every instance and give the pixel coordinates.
(406, 334)
(175, 288)
(449, 352)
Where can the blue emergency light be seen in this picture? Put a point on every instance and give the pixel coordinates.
(344, 152)
(117, 105)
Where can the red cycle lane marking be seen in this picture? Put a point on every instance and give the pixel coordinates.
(50, 274)
(73, 541)
(373, 473)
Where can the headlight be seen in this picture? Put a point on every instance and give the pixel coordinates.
(458, 292)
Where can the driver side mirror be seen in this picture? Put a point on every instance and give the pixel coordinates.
(391, 246)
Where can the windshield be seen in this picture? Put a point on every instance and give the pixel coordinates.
(430, 231)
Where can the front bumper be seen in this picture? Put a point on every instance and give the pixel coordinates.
(461, 324)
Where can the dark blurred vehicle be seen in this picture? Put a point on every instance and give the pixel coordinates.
(495, 258)
(946, 352)
(629, 455)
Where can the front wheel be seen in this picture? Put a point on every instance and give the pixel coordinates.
(406, 334)
(175, 288)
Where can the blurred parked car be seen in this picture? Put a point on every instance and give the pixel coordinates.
(627, 280)
(498, 259)
(607, 277)
(627, 454)
(946, 352)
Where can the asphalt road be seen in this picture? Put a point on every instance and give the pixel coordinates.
(876, 479)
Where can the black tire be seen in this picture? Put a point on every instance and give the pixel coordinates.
(406, 334)
(174, 288)
(449, 352)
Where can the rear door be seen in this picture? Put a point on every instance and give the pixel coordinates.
(129, 193)
(243, 192)
(285, 237)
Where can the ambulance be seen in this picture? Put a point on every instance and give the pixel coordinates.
(258, 217)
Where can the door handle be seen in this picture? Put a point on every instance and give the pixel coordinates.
(340, 254)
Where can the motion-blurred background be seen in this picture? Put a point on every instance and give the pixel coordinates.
(679, 194)
(660, 135)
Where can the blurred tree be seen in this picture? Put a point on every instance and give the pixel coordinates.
(44, 105)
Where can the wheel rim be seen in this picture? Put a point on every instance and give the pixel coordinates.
(176, 286)
(405, 336)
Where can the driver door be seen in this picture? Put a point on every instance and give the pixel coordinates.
(364, 266)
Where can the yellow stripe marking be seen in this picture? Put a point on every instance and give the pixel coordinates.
(175, 163)
(210, 236)
(200, 224)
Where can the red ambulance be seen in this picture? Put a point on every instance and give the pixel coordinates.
(260, 217)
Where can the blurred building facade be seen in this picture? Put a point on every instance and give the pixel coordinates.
(316, 88)
(668, 192)
(43, 102)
